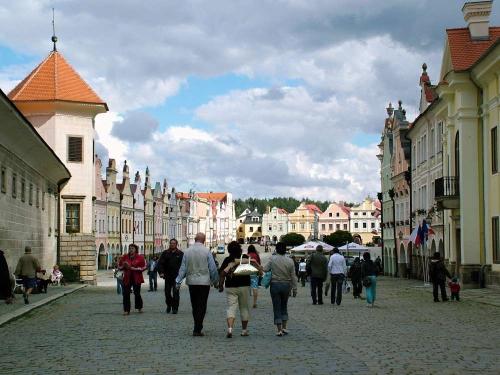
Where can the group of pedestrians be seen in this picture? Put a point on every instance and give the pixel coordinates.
(321, 270)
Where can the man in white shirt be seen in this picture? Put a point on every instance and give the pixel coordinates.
(337, 268)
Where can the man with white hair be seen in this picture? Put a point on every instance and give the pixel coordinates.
(199, 269)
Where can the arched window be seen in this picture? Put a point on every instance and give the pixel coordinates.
(457, 155)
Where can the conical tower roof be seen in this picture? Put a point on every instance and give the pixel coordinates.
(55, 80)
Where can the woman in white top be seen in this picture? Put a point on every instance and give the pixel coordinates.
(303, 271)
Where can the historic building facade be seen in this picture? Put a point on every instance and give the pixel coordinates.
(29, 186)
(336, 217)
(100, 218)
(274, 224)
(62, 108)
(365, 220)
(304, 220)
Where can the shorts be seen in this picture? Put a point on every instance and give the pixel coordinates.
(29, 282)
(254, 281)
(238, 298)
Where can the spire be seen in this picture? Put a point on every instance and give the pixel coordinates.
(125, 171)
(54, 37)
(390, 110)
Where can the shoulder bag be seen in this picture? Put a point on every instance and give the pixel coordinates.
(245, 269)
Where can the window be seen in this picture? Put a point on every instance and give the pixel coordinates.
(302, 226)
(373, 225)
(338, 226)
(270, 228)
(72, 218)
(259, 229)
(364, 225)
(3, 180)
(439, 137)
(330, 214)
(251, 229)
(414, 157)
(293, 226)
(281, 227)
(338, 214)
(323, 226)
(355, 214)
(494, 150)
(495, 239)
(356, 225)
(14, 185)
(241, 230)
(457, 155)
(30, 197)
(75, 149)
(364, 213)
(345, 226)
(23, 190)
(431, 142)
(43, 200)
(330, 226)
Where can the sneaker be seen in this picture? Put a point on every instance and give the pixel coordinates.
(229, 333)
(245, 333)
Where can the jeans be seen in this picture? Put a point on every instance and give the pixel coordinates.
(371, 291)
(439, 284)
(153, 280)
(199, 298)
(171, 294)
(336, 294)
(280, 291)
(455, 295)
(137, 297)
(357, 287)
(317, 289)
(303, 278)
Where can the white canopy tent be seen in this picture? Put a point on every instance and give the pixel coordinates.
(354, 246)
(311, 246)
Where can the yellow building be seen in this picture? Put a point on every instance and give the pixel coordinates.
(249, 227)
(305, 221)
(469, 191)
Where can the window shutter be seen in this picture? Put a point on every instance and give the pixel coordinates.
(75, 151)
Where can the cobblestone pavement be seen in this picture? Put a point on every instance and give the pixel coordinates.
(85, 333)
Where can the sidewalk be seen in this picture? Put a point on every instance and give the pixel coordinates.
(18, 308)
(488, 296)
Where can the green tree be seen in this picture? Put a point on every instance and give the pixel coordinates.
(293, 239)
(338, 238)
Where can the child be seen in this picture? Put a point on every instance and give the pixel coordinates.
(454, 289)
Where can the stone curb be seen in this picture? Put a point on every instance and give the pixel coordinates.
(5, 318)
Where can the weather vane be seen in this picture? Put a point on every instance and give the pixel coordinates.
(54, 37)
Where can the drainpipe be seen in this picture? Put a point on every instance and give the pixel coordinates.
(391, 195)
(380, 197)
(60, 184)
(482, 273)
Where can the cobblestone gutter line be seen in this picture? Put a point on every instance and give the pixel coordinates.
(10, 316)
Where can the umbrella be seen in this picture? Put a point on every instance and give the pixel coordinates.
(354, 246)
(311, 246)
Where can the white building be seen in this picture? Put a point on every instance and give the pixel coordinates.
(274, 224)
(62, 107)
(365, 220)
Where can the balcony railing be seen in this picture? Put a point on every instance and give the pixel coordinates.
(447, 192)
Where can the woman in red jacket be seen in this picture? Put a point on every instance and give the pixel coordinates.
(133, 265)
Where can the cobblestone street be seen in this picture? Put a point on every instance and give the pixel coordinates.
(85, 333)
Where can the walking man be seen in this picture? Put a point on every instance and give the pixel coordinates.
(168, 268)
(318, 265)
(337, 268)
(199, 269)
(27, 267)
(153, 274)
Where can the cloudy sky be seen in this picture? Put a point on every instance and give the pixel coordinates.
(260, 98)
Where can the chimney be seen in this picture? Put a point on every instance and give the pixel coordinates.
(477, 16)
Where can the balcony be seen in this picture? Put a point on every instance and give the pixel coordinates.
(447, 193)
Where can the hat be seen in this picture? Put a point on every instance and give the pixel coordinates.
(27, 250)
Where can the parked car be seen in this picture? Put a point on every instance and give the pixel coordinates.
(220, 249)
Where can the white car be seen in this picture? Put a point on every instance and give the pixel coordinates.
(220, 249)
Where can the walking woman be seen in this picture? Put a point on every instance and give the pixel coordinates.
(254, 279)
(133, 265)
(283, 280)
(369, 277)
(237, 289)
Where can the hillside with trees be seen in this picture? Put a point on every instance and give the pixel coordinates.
(289, 204)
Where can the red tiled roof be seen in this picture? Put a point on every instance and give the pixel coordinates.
(55, 79)
(212, 196)
(282, 211)
(182, 195)
(465, 51)
(313, 207)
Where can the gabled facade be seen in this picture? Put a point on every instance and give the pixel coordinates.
(365, 220)
(113, 210)
(250, 230)
(158, 218)
(139, 226)
(274, 224)
(100, 218)
(304, 220)
(126, 209)
(165, 215)
(336, 217)
(148, 216)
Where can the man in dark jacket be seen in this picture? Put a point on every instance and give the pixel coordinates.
(168, 268)
(438, 274)
(318, 269)
(355, 276)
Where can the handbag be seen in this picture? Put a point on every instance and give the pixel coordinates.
(245, 269)
(366, 282)
(346, 287)
(266, 279)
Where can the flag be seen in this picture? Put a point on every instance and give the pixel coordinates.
(420, 236)
(413, 235)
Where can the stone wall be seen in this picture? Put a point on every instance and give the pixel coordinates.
(79, 250)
